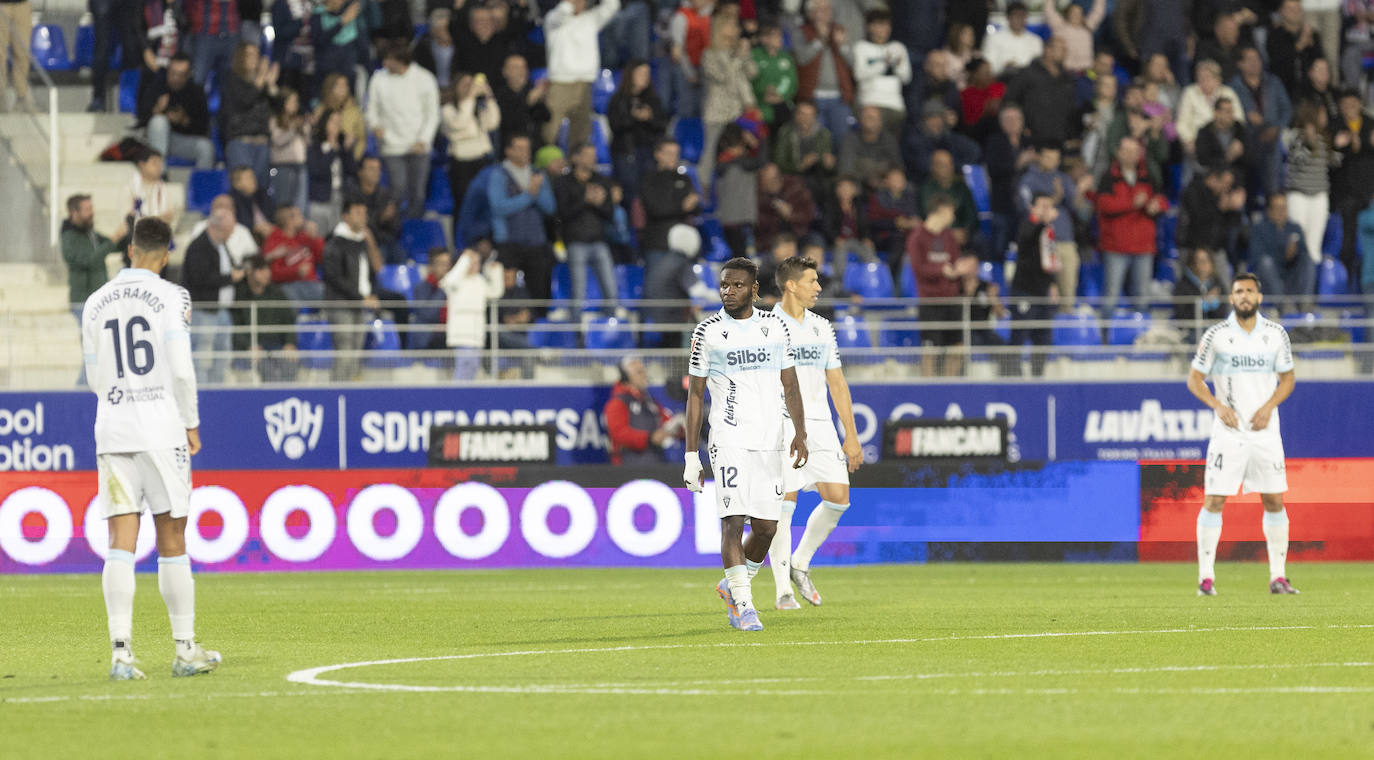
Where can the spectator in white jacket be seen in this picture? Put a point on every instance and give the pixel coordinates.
(403, 113)
(881, 69)
(469, 116)
(1014, 47)
(470, 286)
(571, 34)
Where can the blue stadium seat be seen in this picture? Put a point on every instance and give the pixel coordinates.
(710, 278)
(908, 284)
(536, 36)
(1125, 326)
(713, 245)
(85, 47)
(205, 184)
(1040, 30)
(994, 272)
(1165, 271)
(541, 336)
(691, 135)
(128, 91)
(629, 280)
(1334, 237)
(605, 333)
(1090, 280)
(603, 88)
(400, 278)
(890, 336)
(561, 287)
(852, 332)
(601, 140)
(1332, 278)
(439, 199)
(420, 235)
(314, 335)
(536, 75)
(474, 213)
(976, 176)
(1003, 329)
(1357, 332)
(1166, 236)
(383, 344)
(1077, 330)
(870, 280)
(48, 45)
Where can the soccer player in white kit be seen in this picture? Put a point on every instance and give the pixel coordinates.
(1250, 363)
(830, 463)
(745, 357)
(135, 337)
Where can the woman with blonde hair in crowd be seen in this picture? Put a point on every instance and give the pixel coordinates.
(728, 65)
(468, 117)
(336, 95)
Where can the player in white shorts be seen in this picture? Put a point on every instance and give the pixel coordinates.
(745, 357)
(136, 344)
(829, 464)
(1250, 362)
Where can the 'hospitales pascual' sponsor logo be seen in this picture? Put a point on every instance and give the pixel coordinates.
(293, 426)
(20, 452)
(1150, 423)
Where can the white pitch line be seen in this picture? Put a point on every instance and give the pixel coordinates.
(311, 676)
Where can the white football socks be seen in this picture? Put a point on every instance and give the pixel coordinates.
(779, 555)
(1208, 536)
(740, 589)
(179, 594)
(1276, 539)
(823, 519)
(752, 567)
(118, 583)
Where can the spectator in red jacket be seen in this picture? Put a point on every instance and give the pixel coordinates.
(639, 428)
(1129, 203)
(295, 250)
(934, 253)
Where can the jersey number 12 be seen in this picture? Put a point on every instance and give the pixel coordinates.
(140, 351)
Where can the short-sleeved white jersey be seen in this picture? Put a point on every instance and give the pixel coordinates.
(742, 361)
(135, 337)
(816, 350)
(1244, 367)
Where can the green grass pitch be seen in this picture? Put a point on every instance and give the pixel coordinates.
(940, 661)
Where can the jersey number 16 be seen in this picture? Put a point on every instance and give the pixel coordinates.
(140, 351)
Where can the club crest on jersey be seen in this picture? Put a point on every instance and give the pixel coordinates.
(725, 335)
(763, 330)
(816, 331)
(726, 500)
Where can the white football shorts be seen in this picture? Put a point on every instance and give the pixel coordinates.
(748, 482)
(1252, 460)
(823, 466)
(161, 478)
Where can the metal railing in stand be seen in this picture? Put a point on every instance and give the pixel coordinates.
(49, 134)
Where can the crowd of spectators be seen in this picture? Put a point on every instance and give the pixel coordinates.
(838, 126)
